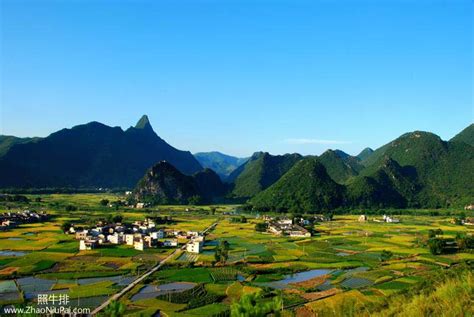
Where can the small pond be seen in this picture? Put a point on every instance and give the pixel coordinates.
(307, 275)
(297, 277)
(12, 253)
(15, 239)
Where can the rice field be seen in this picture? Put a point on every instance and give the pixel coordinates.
(40, 258)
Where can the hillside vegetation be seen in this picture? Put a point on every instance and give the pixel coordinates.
(261, 171)
(164, 184)
(465, 136)
(306, 187)
(340, 166)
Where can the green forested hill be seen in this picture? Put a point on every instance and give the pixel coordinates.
(365, 153)
(91, 155)
(386, 185)
(210, 184)
(466, 135)
(7, 141)
(444, 169)
(340, 167)
(164, 184)
(416, 170)
(305, 187)
(261, 171)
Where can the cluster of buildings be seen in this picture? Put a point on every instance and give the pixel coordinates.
(466, 221)
(286, 227)
(385, 218)
(140, 234)
(9, 220)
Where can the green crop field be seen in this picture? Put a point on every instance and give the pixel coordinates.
(342, 259)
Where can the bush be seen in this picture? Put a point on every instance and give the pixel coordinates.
(261, 227)
(71, 208)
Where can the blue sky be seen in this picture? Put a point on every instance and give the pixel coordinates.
(240, 76)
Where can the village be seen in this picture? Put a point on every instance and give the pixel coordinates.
(140, 235)
(10, 220)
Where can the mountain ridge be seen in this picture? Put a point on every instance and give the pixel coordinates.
(90, 155)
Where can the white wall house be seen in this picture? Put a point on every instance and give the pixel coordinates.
(87, 244)
(115, 238)
(170, 243)
(129, 239)
(194, 247)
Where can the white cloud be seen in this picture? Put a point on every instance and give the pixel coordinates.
(314, 141)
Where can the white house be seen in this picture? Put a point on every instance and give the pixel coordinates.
(285, 221)
(87, 244)
(390, 219)
(129, 238)
(299, 233)
(139, 244)
(115, 238)
(170, 243)
(198, 239)
(194, 247)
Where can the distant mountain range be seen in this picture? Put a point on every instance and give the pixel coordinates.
(88, 156)
(220, 163)
(416, 170)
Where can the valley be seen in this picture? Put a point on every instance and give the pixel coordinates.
(362, 262)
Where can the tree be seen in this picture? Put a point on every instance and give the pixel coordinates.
(434, 233)
(464, 242)
(104, 202)
(65, 226)
(252, 305)
(385, 255)
(222, 252)
(436, 246)
(261, 227)
(117, 218)
(71, 208)
(195, 200)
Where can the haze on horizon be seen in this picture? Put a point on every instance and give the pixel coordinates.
(240, 76)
